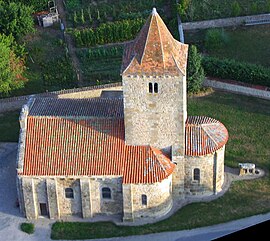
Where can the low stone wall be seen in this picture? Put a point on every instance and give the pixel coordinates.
(237, 89)
(224, 22)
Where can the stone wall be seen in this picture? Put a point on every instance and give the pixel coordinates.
(238, 89)
(87, 198)
(69, 206)
(224, 22)
(220, 168)
(156, 119)
(159, 199)
(211, 173)
(107, 206)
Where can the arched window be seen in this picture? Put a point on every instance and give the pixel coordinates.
(156, 87)
(150, 88)
(106, 193)
(144, 199)
(69, 193)
(196, 174)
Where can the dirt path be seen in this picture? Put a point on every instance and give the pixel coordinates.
(70, 44)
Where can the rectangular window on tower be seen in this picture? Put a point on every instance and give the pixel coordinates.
(150, 88)
(156, 87)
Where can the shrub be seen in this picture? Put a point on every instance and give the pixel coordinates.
(28, 228)
(239, 71)
(236, 9)
(16, 19)
(195, 71)
(11, 66)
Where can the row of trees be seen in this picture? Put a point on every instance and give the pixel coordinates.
(15, 22)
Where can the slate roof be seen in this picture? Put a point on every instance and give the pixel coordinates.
(155, 52)
(101, 107)
(204, 135)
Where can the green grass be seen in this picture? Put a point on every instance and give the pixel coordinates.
(9, 126)
(248, 44)
(247, 120)
(28, 228)
(212, 9)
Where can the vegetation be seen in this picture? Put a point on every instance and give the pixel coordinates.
(105, 64)
(211, 9)
(246, 44)
(11, 66)
(28, 228)
(247, 121)
(118, 31)
(37, 5)
(231, 69)
(48, 63)
(86, 13)
(195, 71)
(215, 38)
(15, 19)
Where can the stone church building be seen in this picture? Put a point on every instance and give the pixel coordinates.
(132, 154)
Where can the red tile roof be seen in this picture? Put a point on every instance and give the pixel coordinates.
(57, 146)
(204, 135)
(155, 52)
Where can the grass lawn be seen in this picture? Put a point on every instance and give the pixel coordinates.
(211, 9)
(247, 44)
(9, 126)
(247, 120)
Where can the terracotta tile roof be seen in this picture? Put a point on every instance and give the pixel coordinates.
(57, 146)
(155, 52)
(77, 107)
(204, 135)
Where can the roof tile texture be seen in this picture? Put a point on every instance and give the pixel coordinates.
(89, 147)
(204, 135)
(155, 52)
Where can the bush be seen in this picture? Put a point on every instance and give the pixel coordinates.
(11, 66)
(239, 71)
(195, 71)
(16, 19)
(236, 9)
(28, 228)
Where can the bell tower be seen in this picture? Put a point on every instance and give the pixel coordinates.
(154, 88)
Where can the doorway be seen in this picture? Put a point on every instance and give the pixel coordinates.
(43, 209)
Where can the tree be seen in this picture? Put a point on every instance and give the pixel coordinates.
(11, 67)
(195, 71)
(15, 19)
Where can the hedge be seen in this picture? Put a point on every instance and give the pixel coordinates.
(235, 70)
(111, 32)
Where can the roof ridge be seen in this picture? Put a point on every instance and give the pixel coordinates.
(143, 52)
(207, 133)
(161, 43)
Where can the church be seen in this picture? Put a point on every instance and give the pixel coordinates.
(132, 154)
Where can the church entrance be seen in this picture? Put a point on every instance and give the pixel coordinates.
(43, 209)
